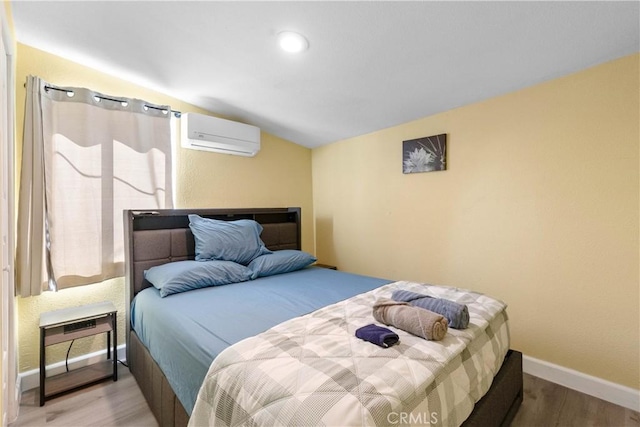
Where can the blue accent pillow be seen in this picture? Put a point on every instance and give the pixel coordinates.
(181, 276)
(278, 262)
(238, 241)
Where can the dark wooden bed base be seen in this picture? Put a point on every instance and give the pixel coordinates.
(161, 236)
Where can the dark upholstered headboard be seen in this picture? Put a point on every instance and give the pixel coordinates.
(161, 236)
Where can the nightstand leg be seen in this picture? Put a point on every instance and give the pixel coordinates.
(42, 367)
(108, 345)
(114, 321)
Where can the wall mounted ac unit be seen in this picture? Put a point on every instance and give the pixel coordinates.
(208, 133)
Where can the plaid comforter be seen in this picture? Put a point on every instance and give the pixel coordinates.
(312, 370)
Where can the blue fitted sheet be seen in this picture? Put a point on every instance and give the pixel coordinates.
(185, 332)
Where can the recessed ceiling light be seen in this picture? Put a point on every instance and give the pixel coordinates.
(292, 42)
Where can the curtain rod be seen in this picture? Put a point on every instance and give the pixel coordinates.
(177, 114)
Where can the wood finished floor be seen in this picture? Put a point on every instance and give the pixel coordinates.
(108, 403)
(121, 404)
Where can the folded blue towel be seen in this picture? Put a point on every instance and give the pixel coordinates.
(457, 314)
(378, 335)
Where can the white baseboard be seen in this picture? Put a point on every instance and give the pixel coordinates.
(31, 379)
(587, 384)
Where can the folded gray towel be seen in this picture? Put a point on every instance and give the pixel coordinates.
(457, 314)
(416, 321)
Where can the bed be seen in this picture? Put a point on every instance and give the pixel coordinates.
(160, 237)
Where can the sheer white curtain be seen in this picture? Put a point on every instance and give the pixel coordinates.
(101, 155)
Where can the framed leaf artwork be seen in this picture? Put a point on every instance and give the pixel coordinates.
(426, 154)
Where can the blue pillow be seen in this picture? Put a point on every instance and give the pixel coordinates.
(181, 276)
(278, 262)
(237, 241)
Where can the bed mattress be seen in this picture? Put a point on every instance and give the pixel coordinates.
(185, 332)
(312, 370)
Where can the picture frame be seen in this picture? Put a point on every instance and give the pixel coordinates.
(427, 154)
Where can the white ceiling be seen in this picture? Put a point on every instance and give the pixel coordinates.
(370, 65)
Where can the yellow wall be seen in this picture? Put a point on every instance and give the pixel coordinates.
(538, 207)
(280, 175)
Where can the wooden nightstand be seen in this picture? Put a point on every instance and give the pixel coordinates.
(70, 324)
(330, 267)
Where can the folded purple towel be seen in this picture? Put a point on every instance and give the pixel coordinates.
(378, 335)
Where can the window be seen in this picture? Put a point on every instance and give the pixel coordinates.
(101, 155)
